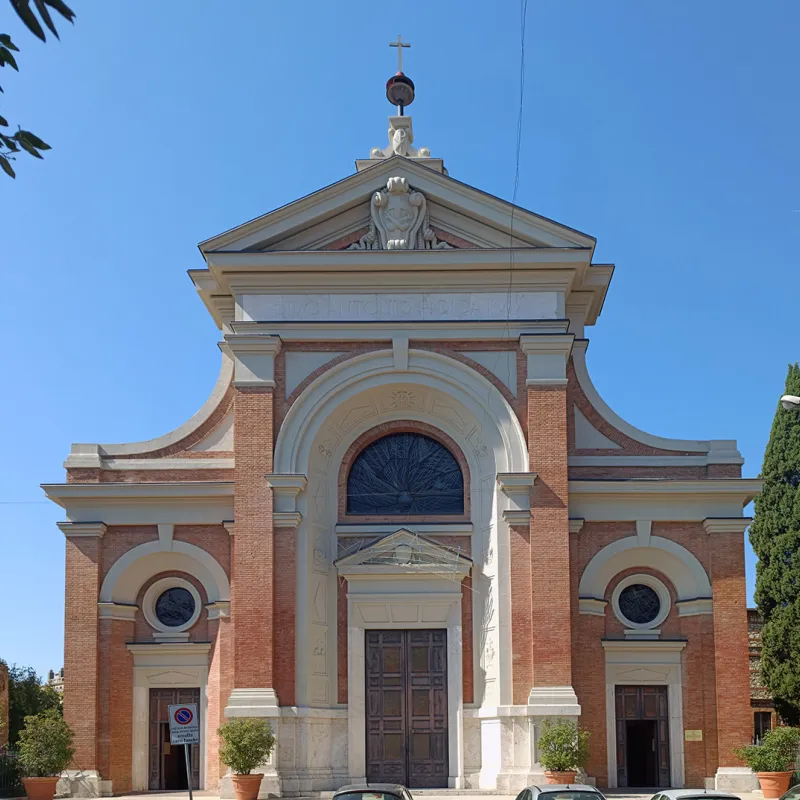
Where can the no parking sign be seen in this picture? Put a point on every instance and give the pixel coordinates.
(184, 724)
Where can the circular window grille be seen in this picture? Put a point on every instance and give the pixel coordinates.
(639, 603)
(175, 607)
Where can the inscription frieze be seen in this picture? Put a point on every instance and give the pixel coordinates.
(397, 307)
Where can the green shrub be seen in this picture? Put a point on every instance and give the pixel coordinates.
(246, 743)
(45, 745)
(563, 745)
(776, 753)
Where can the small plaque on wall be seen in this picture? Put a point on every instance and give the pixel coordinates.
(693, 736)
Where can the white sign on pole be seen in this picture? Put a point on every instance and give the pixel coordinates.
(184, 724)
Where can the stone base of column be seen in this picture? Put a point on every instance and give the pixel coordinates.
(735, 779)
(253, 703)
(256, 703)
(553, 701)
(83, 783)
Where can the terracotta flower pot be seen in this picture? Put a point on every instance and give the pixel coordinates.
(774, 784)
(247, 786)
(40, 788)
(567, 776)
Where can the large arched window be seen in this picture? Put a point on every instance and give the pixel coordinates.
(405, 473)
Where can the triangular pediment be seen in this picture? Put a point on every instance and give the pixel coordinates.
(405, 552)
(338, 216)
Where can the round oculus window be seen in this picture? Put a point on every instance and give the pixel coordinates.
(175, 607)
(639, 603)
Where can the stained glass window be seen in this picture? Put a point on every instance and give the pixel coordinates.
(405, 473)
(175, 607)
(639, 603)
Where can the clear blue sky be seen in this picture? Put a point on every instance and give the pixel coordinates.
(665, 128)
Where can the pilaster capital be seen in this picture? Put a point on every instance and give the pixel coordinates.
(253, 358)
(517, 487)
(285, 490)
(547, 358)
(83, 530)
(726, 524)
(576, 524)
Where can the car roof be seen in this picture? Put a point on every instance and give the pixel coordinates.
(676, 793)
(562, 787)
(372, 787)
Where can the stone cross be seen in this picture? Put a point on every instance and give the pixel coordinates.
(399, 44)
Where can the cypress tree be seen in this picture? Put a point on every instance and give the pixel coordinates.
(775, 536)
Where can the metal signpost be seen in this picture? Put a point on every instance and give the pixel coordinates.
(184, 728)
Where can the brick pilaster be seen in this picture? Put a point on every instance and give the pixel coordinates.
(253, 589)
(81, 638)
(549, 536)
(731, 649)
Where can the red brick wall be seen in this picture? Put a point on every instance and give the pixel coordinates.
(220, 683)
(252, 600)
(285, 601)
(521, 613)
(81, 646)
(731, 657)
(115, 707)
(550, 560)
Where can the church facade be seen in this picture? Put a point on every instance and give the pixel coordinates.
(405, 527)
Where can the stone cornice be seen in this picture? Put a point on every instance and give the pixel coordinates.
(726, 524)
(86, 530)
(547, 358)
(117, 611)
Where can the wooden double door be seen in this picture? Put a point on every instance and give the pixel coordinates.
(642, 717)
(166, 762)
(406, 692)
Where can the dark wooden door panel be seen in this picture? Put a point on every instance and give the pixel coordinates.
(633, 703)
(166, 763)
(406, 675)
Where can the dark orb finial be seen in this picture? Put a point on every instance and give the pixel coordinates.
(400, 91)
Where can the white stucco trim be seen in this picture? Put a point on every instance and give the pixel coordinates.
(375, 368)
(718, 451)
(155, 590)
(176, 665)
(655, 584)
(133, 568)
(673, 560)
(93, 455)
(650, 663)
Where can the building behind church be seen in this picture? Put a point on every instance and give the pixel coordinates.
(405, 528)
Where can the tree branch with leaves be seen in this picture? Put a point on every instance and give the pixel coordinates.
(23, 140)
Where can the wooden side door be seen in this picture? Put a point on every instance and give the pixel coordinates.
(643, 703)
(159, 773)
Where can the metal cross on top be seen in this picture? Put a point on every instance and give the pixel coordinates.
(399, 44)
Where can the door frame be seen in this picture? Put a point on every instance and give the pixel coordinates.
(645, 663)
(166, 666)
(433, 602)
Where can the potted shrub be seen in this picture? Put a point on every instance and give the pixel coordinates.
(246, 743)
(45, 751)
(563, 749)
(773, 759)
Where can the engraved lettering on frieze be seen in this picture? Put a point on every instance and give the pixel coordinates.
(396, 306)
